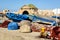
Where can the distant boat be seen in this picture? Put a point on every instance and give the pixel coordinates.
(58, 17)
(20, 17)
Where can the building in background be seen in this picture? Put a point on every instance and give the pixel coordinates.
(5, 11)
(46, 13)
(31, 9)
(56, 11)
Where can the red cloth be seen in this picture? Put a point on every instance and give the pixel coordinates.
(55, 32)
(5, 24)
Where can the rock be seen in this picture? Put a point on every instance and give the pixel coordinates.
(25, 28)
(25, 22)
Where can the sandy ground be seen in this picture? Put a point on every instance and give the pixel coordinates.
(6, 34)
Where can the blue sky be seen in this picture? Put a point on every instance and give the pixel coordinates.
(15, 5)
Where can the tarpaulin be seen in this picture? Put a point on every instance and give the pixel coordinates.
(13, 26)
